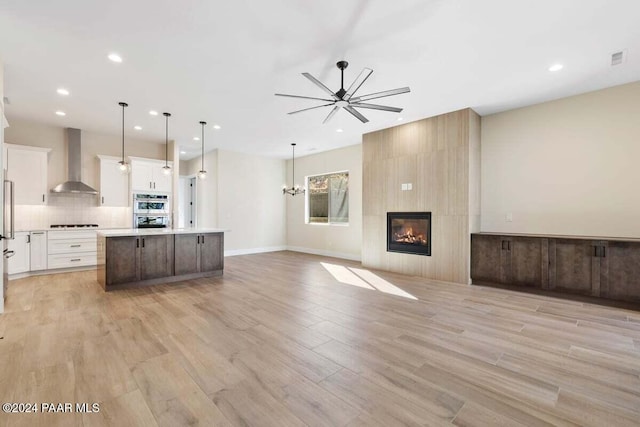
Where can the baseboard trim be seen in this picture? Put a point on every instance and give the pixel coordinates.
(322, 252)
(52, 271)
(248, 251)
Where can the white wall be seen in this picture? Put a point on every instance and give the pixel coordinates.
(250, 202)
(565, 167)
(333, 240)
(206, 189)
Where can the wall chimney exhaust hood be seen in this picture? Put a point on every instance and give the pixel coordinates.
(74, 184)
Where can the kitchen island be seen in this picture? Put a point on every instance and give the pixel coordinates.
(141, 257)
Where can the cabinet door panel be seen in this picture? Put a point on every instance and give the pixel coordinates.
(141, 176)
(156, 257)
(187, 254)
(622, 266)
(19, 262)
(161, 182)
(572, 266)
(28, 170)
(211, 252)
(122, 260)
(114, 185)
(487, 259)
(526, 266)
(38, 251)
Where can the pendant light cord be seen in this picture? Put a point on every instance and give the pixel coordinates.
(123, 105)
(293, 172)
(202, 157)
(166, 140)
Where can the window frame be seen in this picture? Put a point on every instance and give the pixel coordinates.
(308, 194)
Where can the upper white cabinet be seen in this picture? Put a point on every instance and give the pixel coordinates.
(147, 175)
(27, 168)
(114, 185)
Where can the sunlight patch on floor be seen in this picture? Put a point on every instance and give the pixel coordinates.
(364, 279)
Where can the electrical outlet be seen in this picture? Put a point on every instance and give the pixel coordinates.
(508, 217)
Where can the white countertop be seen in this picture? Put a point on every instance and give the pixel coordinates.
(155, 231)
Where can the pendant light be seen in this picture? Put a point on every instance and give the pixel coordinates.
(202, 174)
(122, 164)
(294, 189)
(166, 169)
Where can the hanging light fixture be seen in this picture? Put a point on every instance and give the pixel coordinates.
(122, 164)
(294, 189)
(166, 169)
(202, 174)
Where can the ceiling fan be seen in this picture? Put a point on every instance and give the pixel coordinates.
(345, 99)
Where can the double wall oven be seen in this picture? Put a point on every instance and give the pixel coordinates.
(151, 210)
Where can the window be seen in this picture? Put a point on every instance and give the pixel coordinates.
(328, 198)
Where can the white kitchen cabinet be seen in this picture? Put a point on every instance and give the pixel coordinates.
(27, 168)
(72, 249)
(147, 175)
(114, 185)
(38, 250)
(19, 262)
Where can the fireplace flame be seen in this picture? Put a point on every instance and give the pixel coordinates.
(407, 235)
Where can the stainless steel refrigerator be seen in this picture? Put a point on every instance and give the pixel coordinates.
(8, 232)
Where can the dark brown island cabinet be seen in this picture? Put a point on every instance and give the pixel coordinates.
(597, 267)
(129, 258)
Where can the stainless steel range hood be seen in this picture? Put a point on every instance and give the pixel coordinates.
(74, 184)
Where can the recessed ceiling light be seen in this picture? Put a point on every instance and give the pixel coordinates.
(153, 113)
(137, 127)
(195, 138)
(216, 127)
(338, 130)
(556, 67)
(63, 91)
(61, 113)
(400, 119)
(183, 152)
(115, 57)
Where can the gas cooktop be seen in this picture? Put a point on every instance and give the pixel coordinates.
(74, 226)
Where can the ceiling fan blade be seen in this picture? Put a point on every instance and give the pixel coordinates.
(381, 94)
(364, 75)
(331, 113)
(376, 107)
(320, 85)
(304, 97)
(356, 114)
(310, 108)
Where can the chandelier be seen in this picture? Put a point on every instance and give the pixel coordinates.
(294, 189)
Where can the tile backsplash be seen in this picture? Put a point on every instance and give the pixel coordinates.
(71, 209)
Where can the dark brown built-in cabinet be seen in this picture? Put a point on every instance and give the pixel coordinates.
(149, 259)
(593, 267)
(196, 253)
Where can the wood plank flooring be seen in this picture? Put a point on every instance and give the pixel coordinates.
(289, 339)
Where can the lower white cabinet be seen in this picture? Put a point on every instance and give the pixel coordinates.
(19, 262)
(71, 249)
(38, 250)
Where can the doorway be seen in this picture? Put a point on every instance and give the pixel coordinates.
(187, 207)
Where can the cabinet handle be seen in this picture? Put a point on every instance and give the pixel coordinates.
(203, 238)
(74, 246)
(198, 239)
(604, 251)
(43, 198)
(103, 200)
(143, 242)
(150, 184)
(137, 243)
(154, 185)
(595, 251)
(75, 259)
(28, 238)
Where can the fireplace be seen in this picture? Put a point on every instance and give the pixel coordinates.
(409, 232)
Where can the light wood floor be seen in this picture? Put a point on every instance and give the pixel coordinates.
(279, 341)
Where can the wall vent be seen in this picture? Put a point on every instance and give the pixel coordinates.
(617, 58)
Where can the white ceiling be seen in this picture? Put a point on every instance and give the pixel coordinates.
(223, 61)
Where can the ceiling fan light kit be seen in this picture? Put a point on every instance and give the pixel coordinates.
(345, 99)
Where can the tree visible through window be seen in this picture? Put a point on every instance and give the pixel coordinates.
(328, 198)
